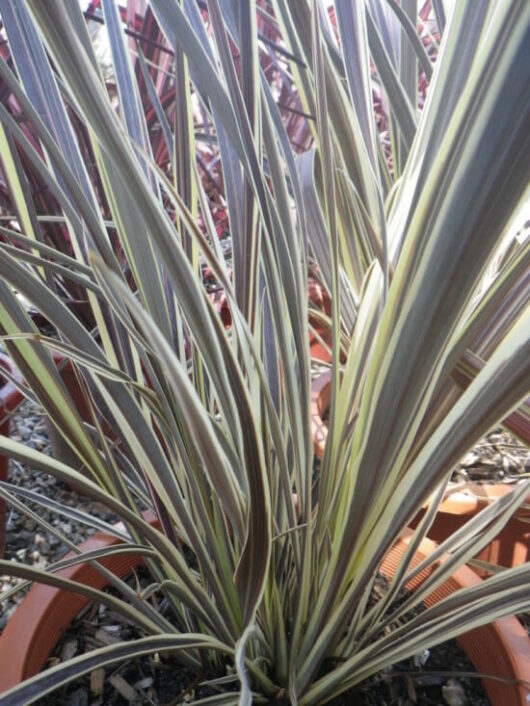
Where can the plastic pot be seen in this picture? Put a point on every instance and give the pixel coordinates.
(318, 352)
(501, 649)
(10, 398)
(511, 547)
(42, 616)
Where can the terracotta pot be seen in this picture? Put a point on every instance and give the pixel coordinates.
(317, 351)
(45, 612)
(510, 548)
(500, 649)
(10, 398)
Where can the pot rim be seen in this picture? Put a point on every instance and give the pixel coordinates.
(45, 611)
(500, 648)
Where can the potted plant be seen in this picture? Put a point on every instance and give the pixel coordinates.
(218, 443)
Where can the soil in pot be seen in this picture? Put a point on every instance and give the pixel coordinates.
(154, 680)
(443, 676)
(446, 678)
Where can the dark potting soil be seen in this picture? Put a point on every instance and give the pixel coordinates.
(157, 680)
(440, 676)
(165, 682)
(142, 682)
(443, 676)
(446, 678)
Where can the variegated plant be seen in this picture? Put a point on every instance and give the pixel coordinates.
(211, 428)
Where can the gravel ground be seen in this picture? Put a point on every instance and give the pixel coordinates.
(497, 458)
(25, 540)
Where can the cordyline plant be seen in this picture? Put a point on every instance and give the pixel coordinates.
(263, 567)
